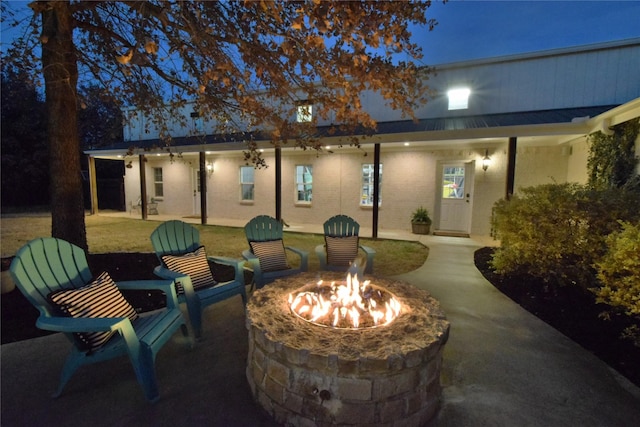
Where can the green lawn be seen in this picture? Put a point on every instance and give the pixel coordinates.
(108, 234)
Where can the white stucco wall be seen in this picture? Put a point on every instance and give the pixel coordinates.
(410, 178)
(577, 161)
(540, 165)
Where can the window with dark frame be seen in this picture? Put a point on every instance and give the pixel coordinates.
(366, 198)
(247, 184)
(158, 184)
(304, 183)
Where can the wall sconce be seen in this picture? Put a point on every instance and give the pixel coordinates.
(486, 160)
(209, 168)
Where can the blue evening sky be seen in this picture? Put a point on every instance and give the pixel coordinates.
(472, 29)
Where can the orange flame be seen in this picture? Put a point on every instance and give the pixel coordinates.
(348, 305)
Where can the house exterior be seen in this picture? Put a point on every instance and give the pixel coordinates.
(524, 121)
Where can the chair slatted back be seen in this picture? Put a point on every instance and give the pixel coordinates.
(46, 265)
(341, 226)
(263, 228)
(175, 238)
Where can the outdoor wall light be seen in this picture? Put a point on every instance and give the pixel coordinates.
(459, 98)
(209, 168)
(486, 160)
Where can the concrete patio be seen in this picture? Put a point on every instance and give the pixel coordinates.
(502, 367)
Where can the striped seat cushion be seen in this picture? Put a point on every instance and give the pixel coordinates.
(195, 265)
(341, 250)
(271, 254)
(99, 299)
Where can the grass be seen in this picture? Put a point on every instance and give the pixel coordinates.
(109, 234)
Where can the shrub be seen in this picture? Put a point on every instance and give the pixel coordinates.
(618, 270)
(556, 232)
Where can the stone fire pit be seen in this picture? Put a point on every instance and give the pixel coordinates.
(305, 374)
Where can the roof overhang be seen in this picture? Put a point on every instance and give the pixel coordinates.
(551, 127)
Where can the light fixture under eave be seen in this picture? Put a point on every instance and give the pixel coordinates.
(209, 168)
(486, 160)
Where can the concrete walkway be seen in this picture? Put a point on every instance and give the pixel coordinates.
(505, 367)
(502, 367)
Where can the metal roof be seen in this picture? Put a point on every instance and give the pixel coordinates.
(488, 121)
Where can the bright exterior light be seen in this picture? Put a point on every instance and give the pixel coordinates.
(486, 160)
(459, 98)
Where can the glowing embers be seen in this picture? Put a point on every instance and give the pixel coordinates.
(345, 305)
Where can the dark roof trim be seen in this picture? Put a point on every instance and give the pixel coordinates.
(565, 115)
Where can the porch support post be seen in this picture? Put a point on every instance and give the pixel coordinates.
(279, 183)
(376, 190)
(93, 185)
(511, 166)
(203, 187)
(143, 186)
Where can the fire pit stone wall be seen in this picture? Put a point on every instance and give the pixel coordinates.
(307, 375)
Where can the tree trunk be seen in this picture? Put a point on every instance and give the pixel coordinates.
(60, 69)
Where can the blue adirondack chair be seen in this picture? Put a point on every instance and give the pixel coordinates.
(46, 265)
(266, 255)
(342, 245)
(179, 238)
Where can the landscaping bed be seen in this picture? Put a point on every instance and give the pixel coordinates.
(572, 311)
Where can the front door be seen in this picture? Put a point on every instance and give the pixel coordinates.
(196, 191)
(456, 189)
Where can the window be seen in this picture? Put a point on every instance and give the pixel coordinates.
(157, 182)
(304, 183)
(367, 186)
(246, 183)
(304, 113)
(453, 182)
(198, 123)
(459, 98)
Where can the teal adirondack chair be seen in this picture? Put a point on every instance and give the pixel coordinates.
(46, 265)
(342, 245)
(179, 238)
(266, 255)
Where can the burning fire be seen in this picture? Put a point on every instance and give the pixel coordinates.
(349, 305)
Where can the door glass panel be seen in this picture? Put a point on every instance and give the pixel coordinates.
(453, 182)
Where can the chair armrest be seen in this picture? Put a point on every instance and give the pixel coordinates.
(237, 265)
(370, 252)
(304, 257)
(162, 285)
(166, 286)
(248, 255)
(75, 324)
(164, 273)
(253, 264)
(321, 252)
(367, 250)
